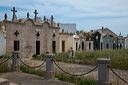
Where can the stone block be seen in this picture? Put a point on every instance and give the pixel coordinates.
(4, 81)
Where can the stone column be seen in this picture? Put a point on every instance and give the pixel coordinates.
(103, 71)
(15, 67)
(49, 66)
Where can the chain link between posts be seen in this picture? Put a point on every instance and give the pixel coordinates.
(1, 63)
(31, 66)
(83, 74)
(117, 75)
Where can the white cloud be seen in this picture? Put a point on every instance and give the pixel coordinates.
(79, 11)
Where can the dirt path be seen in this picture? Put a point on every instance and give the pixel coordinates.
(29, 79)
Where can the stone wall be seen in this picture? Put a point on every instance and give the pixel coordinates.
(68, 41)
(27, 37)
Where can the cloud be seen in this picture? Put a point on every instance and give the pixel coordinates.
(86, 13)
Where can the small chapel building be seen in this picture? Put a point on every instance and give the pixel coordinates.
(29, 36)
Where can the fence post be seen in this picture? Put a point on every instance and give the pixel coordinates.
(49, 66)
(103, 71)
(15, 67)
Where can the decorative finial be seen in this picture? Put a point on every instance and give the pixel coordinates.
(58, 24)
(44, 18)
(14, 13)
(5, 16)
(28, 15)
(102, 27)
(52, 18)
(35, 12)
(120, 34)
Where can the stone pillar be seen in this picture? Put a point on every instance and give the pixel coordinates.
(49, 66)
(15, 62)
(103, 71)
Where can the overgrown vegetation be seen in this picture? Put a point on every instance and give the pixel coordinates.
(4, 56)
(38, 57)
(26, 69)
(119, 57)
(76, 80)
(4, 67)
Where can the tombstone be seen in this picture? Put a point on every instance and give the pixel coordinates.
(14, 14)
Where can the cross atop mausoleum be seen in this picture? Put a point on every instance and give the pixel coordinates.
(35, 12)
(14, 13)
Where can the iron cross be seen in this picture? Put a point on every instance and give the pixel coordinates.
(35, 14)
(14, 11)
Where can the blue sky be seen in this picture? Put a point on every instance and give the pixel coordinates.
(87, 14)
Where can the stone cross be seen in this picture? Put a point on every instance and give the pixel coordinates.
(14, 11)
(35, 14)
(14, 14)
(28, 15)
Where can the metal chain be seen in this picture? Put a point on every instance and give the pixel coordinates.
(117, 75)
(31, 66)
(74, 74)
(5, 60)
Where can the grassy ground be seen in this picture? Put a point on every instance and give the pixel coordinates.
(119, 57)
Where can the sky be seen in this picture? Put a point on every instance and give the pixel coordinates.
(87, 14)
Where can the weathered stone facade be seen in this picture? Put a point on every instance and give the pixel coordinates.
(27, 36)
(2, 40)
(66, 42)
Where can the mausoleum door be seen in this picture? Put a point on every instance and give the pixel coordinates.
(38, 47)
(16, 45)
(53, 46)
